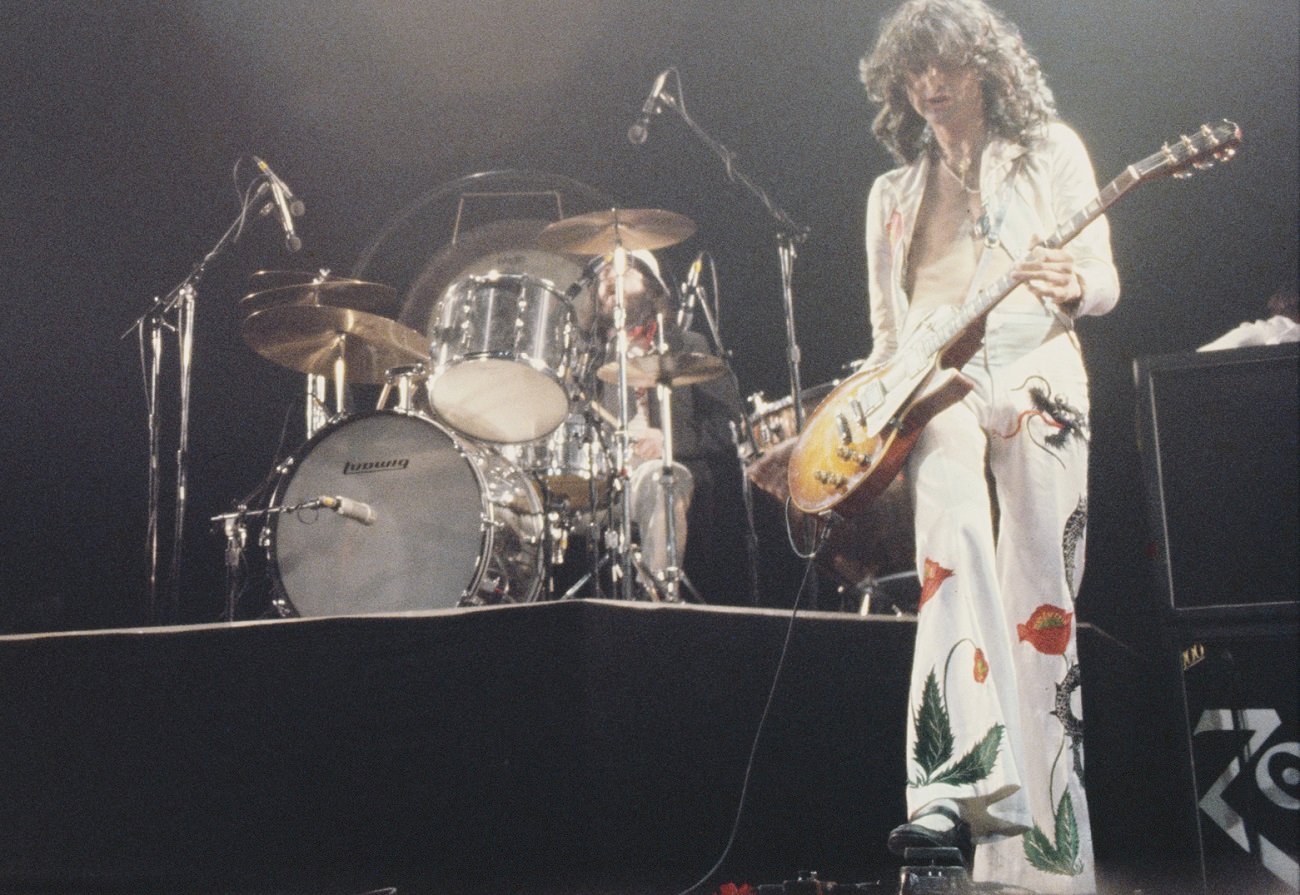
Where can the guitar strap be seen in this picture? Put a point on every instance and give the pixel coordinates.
(989, 229)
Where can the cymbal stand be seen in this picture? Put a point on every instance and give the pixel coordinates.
(182, 302)
(622, 440)
(597, 558)
(341, 374)
(674, 576)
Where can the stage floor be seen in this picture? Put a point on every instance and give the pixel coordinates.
(579, 746)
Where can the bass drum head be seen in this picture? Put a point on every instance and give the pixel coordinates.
(431, 534)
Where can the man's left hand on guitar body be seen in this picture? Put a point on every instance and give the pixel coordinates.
(1050, 275)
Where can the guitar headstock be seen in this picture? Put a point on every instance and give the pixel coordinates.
(1210, 144)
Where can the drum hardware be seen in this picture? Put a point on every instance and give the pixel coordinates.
(896, 593)
(180, 303)
(675, 368)
(502, 356)
(772, 422)
(284, 288)
(319, 290)
(430, 520)
(601, 232)
(671, 370)
(699, 295)
(345, 344)
(615, 233)
(234, 526)
(407, 379)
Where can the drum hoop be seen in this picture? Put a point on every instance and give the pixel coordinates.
(533, 363)
(280, 597)
(494, 278)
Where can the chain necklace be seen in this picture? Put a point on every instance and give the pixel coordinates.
(959, 175)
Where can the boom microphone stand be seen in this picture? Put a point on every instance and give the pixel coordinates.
(790, 234)
(180, 304)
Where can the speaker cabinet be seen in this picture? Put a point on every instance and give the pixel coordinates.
(1218, 436)
(1239, 686)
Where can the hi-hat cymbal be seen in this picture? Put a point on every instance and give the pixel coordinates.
(359, 295)
(599, 232)
(682, 368)
(309, 338)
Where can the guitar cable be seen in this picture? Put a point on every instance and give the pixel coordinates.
(810, 559)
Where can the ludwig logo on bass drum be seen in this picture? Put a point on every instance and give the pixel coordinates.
(350, 468)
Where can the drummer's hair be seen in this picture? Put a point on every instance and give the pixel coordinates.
(1018, 104)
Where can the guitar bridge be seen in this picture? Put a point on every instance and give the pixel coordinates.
(833, 479)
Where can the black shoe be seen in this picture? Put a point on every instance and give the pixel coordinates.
(913, 835)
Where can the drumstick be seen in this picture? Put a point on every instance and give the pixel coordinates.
(605, 414)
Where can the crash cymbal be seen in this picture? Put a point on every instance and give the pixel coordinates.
(308, 338)
(682, 368)
(335, 293)
(599, 232)
(273, 279)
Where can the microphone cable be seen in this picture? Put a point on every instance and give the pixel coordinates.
(810, 558)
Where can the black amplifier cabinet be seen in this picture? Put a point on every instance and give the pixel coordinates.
(1240, 690)
(1218, 436)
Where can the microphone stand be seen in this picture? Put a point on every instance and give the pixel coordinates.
(183, 301)
(790, 234)
(747, 494)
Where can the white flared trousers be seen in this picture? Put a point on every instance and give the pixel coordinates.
(995, 709)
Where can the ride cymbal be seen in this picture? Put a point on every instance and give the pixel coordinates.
(599, 232)
(682, 368)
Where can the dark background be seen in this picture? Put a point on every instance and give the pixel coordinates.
(123, 121)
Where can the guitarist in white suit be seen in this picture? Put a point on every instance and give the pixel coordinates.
(1000, 478)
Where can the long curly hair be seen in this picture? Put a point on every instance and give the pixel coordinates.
(1017, 101)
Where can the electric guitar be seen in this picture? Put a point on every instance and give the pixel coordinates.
(855, 443)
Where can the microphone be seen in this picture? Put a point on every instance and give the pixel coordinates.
(289, 205)
(349, 508)
(640, 129)
(690, 292)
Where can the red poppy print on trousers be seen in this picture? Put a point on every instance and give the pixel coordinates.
(934, 576)
(1047, 630)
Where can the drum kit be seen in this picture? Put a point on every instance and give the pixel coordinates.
(487, 448)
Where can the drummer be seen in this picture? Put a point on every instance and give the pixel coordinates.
(702, 432)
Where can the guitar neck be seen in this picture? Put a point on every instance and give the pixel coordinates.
(994, 292)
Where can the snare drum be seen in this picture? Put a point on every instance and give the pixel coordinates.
(454, 524)
(502, 350)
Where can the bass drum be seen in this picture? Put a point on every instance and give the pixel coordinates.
(454, 523)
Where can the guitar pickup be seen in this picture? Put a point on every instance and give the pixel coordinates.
(856, 406)
(846, 429)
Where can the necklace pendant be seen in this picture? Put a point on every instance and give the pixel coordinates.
(981, 227)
